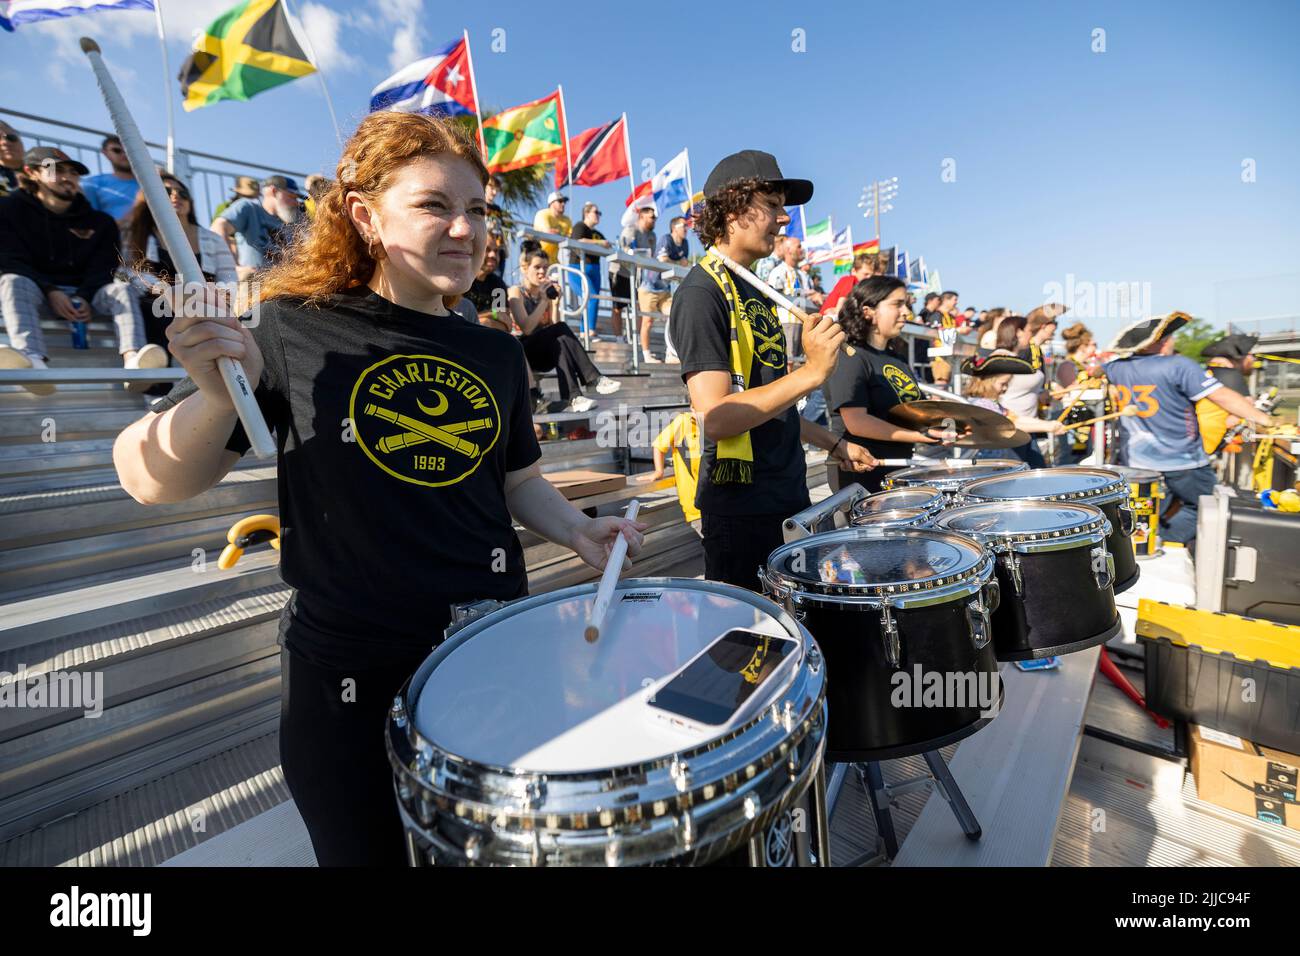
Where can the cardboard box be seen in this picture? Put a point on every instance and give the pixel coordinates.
(1238, 775)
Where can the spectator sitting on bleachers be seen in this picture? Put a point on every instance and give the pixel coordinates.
(552, 219)
(498, 221)
(255, 230)
(113, 192)
(489, 294)
(316, 185)
(548, 342)
(145, 254)
(11, 158)
(681, 439)
(57, 259)
(246, 187)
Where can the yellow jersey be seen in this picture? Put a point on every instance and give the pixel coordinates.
(683, 434)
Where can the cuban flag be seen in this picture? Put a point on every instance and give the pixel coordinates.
(16, 12)
(440, 85)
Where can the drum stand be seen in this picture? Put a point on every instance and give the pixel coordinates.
(880, 794)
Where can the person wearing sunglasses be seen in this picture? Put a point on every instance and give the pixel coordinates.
(11, 158)
(113, 192)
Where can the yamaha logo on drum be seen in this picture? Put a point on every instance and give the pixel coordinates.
(778, 844)
(424, 419)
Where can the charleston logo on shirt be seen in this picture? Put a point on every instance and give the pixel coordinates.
(424, 419)
(904, 386)
(769, 340)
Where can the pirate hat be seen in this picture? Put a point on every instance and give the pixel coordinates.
(997, 365)
(1148, 331)
(1235, 346)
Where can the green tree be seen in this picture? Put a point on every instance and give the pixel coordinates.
(1193, 337)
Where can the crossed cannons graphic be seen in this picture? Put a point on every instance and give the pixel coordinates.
(418, 432)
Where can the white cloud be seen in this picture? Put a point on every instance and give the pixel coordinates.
(410, 41)
(323, 27)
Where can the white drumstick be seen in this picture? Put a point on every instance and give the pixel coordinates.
(613, 568)
(178, 246)
(762, 286)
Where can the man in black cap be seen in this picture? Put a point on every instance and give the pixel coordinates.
(1163, 435)
(58, 257)
(1229, 360)
(752, 474)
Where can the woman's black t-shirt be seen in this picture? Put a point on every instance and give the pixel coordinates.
(396, 430)
(584, 232)
(874, 380)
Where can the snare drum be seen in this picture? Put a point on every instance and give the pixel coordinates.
(1099, 487)
(926, 498)
(894, 611)
(1146, 497)
(1054, 573)
(519, 743)
(951, 474)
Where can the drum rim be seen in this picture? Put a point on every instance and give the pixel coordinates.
(936, 502)
(897, 594)
(1095, 529)
(1103, 494)
(899, 517)
(953, 479)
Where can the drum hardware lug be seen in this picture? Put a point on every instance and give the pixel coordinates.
(1103, 567)
(994, 590)
(752, 805)
(889, 635)
(977, 617)
(680, 771)
(773, 587)
(472, 847)
(613, 850)
(814, 659)
(787, 716)
(398, 712)
(1013, 569)
(687, 836)
(468, 612)
(1126, 521)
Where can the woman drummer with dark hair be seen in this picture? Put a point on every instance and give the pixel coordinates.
(406, 453)
(987, 380)
(870, 379)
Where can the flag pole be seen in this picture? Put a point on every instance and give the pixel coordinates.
(167, 88)
(627, 146)
(320, 74)
(473, 85)
(690, 189)
(564, 123)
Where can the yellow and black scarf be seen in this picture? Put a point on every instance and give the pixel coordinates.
(735, 456)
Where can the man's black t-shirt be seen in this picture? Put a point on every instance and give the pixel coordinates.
(395, 430)
(584, 232)
(488, 294)
(1230, 377)
(874, 380)
(700, 322)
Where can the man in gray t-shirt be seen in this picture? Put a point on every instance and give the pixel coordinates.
(652, 292)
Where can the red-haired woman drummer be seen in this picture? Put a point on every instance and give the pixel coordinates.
(405, 446)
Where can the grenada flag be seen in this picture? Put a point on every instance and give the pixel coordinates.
(526, 135)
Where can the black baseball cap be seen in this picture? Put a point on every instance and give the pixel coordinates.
(38, 156)
(756, 164)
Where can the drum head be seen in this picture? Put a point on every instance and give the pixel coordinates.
(897, 518)
(1043, 483)
(1019, 519)
(958, 470)
(898, 559)
(526, 691)
(915, 496)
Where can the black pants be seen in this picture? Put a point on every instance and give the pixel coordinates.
(556, 347)
(332, 725)
(736, 546)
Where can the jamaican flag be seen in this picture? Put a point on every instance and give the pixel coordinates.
(246, 50)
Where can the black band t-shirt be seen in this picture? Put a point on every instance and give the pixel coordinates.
(701, 326)
(396, 430)
(874, 380)
(587, 234)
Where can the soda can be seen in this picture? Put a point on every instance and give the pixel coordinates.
(79, 337)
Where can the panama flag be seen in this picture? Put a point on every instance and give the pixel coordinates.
(441, 85)
(16, 12)
(669, 185)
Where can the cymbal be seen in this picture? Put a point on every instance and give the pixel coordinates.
(987, 428)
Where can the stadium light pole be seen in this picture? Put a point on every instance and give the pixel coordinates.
(878, 198)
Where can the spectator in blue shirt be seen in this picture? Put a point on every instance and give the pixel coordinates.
(113, 193)
(1164, 434)
(253, 227)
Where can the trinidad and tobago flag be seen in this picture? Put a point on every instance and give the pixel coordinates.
(599, 156)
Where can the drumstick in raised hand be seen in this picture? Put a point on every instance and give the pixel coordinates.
(608, 580)
(1126, 412)
(178, 246)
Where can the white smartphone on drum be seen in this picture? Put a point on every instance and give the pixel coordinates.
(721, 685)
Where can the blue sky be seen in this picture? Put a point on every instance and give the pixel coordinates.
(1120, 166)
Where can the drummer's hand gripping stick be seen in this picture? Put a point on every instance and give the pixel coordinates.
(178, 246)
(608, 580)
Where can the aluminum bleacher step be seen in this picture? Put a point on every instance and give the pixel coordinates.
(32, 422)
